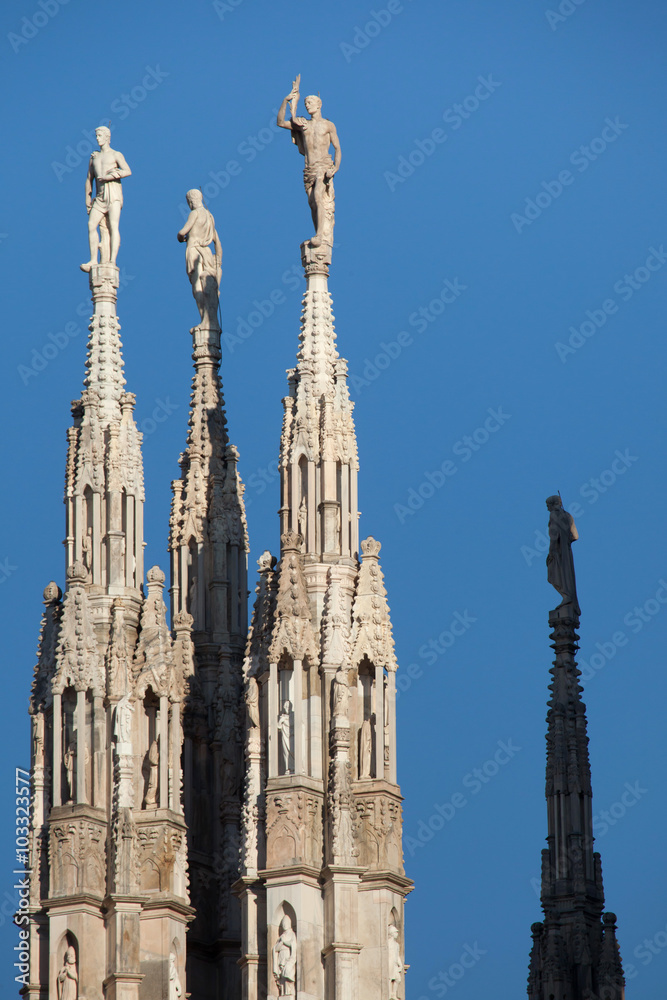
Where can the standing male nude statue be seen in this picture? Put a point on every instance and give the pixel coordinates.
(107, 166)
(313, 138)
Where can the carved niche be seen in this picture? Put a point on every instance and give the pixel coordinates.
(293, 829)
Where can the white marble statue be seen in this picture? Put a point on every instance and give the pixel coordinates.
(175, 988)
(313, 138)
(365, 749)
(303, 518)
(123, 721)
(341, 694)
(150, 771)
(68, 977)
(106, 168)
(252, 702)
(70, 763)
(285, 734)
(204, 268)
(284, 959)
(395, 961)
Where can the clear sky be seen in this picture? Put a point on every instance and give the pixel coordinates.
(499, 285)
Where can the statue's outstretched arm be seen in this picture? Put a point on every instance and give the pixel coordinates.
(280, 121)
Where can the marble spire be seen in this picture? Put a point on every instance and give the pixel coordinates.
(107, 834)
(208, 542)
(322, 882)
(575, 955)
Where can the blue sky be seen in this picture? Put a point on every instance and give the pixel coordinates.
(501, 246)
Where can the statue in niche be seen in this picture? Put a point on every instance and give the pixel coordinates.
(365, 748)
(123, 720)
(150, 769)
(252, 702)
(313, 137)
(204, 268)
(285, 736)
(284, 959)
(69, 761)
(560, 564)
(68, 977)
(87, 551)
(341, 694)
(395, 961)
(303, 518)
(175, 988)
(106, 168)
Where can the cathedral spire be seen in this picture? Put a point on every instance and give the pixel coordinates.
(574, 954)
(322, 865)
(208, 542)
(108, 823)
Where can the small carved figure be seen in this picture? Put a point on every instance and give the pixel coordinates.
(313, 137)
(341, 694)
(107, 166)
(175, 988)
(87, 550)
(252, 702)
(395, 962)
(365, 748)
(123, 722)
(285, 731)
(150, 772)
(68, 977)
(303, 517)
(69, 760)
(560, 564)
(204, 268)
(284, 959)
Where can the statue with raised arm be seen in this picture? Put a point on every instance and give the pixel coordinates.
(106, 168)
(560, 564)
(204, 267)
(313, 138)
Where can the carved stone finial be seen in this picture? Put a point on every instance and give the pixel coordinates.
(291, 541)
(155, 576)
(52, 592)
(370, 547)
(77, 573)
(266, 561)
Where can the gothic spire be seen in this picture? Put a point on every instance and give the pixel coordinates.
(574, 954)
